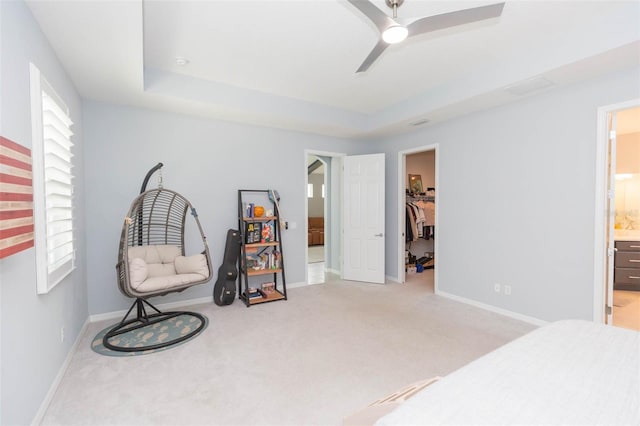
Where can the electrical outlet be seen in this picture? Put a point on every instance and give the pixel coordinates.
(496, 287)
(61, 334)
(507, 290)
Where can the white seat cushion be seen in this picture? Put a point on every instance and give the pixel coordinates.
(156, 268)
(154, 284)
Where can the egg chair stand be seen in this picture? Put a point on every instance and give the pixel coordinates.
(152, 262)
(143, 319)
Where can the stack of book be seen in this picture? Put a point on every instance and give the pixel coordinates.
(255, 293)
(253, 232)
(274, 260)
(248, 209)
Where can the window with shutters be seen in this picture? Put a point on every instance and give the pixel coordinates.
(52, 152)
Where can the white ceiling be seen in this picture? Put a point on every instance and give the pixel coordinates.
(291, 64)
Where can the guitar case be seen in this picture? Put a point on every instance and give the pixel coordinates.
(224, 290)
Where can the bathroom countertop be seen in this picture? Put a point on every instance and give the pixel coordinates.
(627, 235)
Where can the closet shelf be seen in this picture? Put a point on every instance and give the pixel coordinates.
(421, 198)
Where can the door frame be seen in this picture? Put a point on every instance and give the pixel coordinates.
(332, 194)
(602, 217)
(402, 172)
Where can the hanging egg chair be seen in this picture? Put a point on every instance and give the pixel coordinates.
(152, 262)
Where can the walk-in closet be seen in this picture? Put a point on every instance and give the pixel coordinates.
(420, 217)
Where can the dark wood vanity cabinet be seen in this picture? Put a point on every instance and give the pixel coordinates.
(627, 266)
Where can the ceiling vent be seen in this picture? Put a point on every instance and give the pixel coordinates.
(419, 122)
(529, 86)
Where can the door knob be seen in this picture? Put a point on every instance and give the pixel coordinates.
(379, 235)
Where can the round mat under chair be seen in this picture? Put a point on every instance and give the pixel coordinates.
(162, 331)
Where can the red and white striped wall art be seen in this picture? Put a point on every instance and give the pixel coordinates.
(16, 198)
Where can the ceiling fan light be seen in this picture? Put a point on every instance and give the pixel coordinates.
(395, 34)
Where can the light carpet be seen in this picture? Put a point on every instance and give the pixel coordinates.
(328, 351)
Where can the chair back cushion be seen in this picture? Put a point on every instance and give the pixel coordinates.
(159, 258)
(196, 264)
(157, 268)
(138, 271)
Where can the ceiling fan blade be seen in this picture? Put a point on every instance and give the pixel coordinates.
(378, 17)
(452, 19)
(375, 53)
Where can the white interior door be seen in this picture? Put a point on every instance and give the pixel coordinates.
(364, 233)
(610, 203)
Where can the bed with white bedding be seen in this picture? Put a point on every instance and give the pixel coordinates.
(569, 372)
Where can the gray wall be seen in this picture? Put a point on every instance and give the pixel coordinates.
(516, 199)
(32, 351)
(205, 160)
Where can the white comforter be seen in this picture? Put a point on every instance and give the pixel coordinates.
(569, 372)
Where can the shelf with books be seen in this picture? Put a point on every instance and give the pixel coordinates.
(261, 247)
(254, 272)
(260, 232)
(270, 297)
(269, 244)
(260, 219)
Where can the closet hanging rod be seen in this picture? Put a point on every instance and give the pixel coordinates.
(421, 197)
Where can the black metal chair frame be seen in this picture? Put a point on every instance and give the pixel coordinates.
(143, 319)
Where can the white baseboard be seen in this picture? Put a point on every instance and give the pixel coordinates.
(297, 285)
(163, 307)
(505, 312)
(392, 279)
(56, 382)
(300, 284)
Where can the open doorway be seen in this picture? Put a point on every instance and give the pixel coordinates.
(316, 212)
(626, 220)
(619, 228)
(418, 242)
(323, 183)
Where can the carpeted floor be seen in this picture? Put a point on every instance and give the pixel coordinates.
(323, 354)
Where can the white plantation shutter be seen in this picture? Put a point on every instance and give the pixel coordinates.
(56, 126)
(53, 185)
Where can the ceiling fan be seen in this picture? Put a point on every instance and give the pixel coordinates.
(394, 30)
